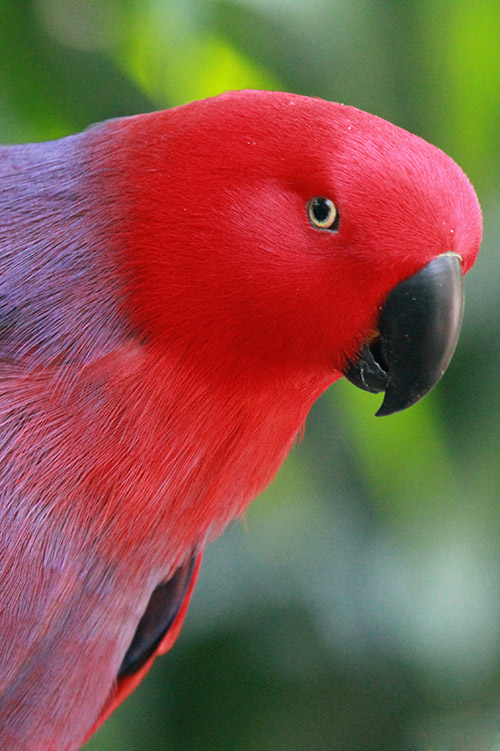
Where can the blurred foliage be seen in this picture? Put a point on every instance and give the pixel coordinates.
(359, 606)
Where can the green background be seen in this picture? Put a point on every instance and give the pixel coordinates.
(358, 605)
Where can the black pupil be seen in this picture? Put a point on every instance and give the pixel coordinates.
(321, 209)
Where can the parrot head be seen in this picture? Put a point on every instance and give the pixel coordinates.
(272, 230)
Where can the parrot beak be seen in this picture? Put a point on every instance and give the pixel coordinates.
(419, 326)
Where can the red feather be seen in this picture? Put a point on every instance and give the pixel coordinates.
(168, 315)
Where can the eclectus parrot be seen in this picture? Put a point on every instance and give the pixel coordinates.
(177, 289)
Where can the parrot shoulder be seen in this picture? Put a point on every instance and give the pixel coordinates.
(59, 287)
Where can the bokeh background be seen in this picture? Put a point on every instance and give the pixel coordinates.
(358, 604)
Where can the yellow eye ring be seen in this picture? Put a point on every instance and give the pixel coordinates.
(323, 214)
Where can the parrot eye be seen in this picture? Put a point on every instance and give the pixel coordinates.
(323, 214)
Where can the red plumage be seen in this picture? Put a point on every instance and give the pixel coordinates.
(168, 315)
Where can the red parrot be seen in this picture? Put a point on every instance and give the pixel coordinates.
(177, 289)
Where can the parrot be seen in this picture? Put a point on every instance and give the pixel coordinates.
(177, 289)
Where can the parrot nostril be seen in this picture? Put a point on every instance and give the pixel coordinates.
(453, 254)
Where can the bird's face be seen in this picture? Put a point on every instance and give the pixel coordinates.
(396, 224)
(279, 226)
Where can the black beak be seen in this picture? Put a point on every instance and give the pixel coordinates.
(418, 331)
